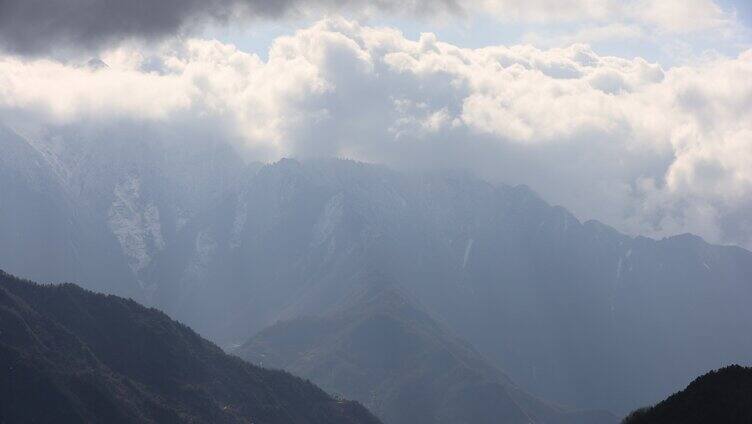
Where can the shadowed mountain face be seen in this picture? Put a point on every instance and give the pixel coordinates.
(45, 233)
(99, 212)
(388, 354)
(723, 396)
(69, 355)
(574, 312)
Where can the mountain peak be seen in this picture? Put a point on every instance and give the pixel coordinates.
(96, 64)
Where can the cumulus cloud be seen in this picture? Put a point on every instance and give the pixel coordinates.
(40, 26)
(650, 150)
(681, 16)
(590, 35)
(660, 23)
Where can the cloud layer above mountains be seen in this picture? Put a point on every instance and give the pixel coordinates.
(650, 150)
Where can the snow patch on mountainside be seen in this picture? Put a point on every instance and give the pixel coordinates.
(197, 271)
(135, 224)
(468, 249)
(183, 217)
(329, 219)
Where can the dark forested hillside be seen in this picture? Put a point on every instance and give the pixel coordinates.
(723, 396)
(71, 356)
(389, 354)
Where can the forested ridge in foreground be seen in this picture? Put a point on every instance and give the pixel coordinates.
(722, 396)
(68, 355)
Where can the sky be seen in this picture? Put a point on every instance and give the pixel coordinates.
(637, 113)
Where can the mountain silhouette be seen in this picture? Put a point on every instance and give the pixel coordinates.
(722, 396)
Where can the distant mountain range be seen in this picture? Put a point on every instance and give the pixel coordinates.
(576, 313)
(387, 353)
(71, 356)
(723, 396)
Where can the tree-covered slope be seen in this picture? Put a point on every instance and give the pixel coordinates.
(722, 396)
(73, 356)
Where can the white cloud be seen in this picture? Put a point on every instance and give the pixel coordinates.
(675, 16)
(589, 35)
(680, 16)
(548, 10)
(649, 150)
(660, 24)
(66, 92)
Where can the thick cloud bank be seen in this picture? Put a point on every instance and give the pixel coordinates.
(37, 26)
(649, 150)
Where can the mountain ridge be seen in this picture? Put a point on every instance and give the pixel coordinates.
(88, 357)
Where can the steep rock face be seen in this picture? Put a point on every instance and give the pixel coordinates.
(406, 368)
(68, 355)
(723, 396)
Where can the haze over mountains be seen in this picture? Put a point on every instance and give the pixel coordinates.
(387, 353)
(573, 312)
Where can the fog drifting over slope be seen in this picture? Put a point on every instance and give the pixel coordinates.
(650, 150)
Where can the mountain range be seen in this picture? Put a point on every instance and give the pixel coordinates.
(573, 312)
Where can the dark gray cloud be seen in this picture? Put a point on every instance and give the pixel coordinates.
(41, 26)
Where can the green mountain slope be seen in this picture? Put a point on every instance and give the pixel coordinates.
(73, 356)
